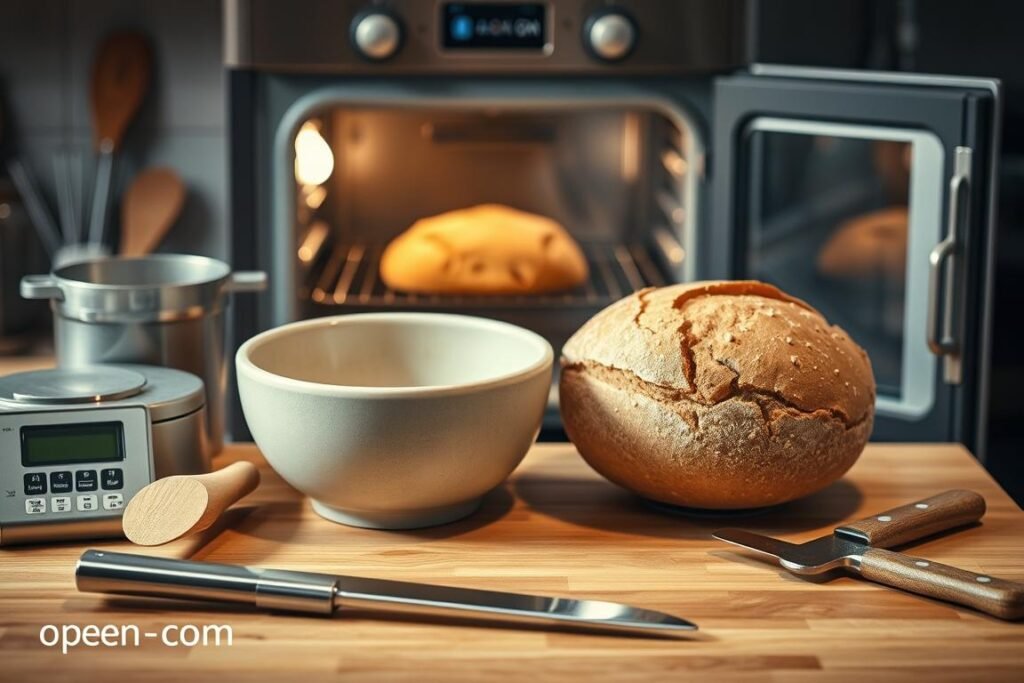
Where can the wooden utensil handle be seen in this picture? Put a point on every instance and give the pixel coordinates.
(998, 597)
(226, 487)
(917, 520)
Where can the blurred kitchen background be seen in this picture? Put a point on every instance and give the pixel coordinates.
(47, 48)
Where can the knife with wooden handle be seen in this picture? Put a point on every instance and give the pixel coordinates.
(860, 548)
(913, 521)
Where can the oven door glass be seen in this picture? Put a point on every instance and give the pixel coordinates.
(839, 192)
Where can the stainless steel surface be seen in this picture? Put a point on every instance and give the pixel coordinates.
(60, 532)
(21, 252)
(698, 36)
(39, 515)
(85, 385)
(174, 399)
(117, 573)
(611, 36)
(814, 557)
(945, 331)
(101, 193)
(158, 310)
(66, 207)
(40, 216)
(376, 35)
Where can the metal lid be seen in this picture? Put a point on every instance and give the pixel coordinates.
(86, 385)
(168, 393)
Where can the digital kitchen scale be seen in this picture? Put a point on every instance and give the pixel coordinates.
(73, 452)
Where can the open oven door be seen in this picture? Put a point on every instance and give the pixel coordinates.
(869, 195)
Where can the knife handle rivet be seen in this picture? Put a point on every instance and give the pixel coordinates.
(884, 518)
(921, 506)
(922, 563)
(984, 579)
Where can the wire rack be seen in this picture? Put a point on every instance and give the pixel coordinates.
(349, 276)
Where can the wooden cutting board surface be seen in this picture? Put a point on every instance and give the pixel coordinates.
(555, 528)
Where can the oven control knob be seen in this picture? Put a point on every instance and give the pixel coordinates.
(376, 35)
(609, 35)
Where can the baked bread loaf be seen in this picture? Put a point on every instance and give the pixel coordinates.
(719, 395)
(873, 245)
(485, 249)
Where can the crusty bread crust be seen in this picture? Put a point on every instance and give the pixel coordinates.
(716, 395)
(486, 249)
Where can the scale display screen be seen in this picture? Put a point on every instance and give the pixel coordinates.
(69, 444)
(494, 26)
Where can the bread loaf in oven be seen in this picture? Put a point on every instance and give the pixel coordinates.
(485, 249)
(720, 395)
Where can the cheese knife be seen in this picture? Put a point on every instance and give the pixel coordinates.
(292, 591)
(860, 548)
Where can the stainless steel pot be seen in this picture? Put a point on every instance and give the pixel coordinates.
(165, 309)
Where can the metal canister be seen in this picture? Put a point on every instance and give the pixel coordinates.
(165, 309)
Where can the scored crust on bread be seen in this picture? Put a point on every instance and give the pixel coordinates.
(485, 249)
(716, 395)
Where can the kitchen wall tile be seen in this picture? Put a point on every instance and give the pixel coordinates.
(200, 159)
(188, 82)
(32, 65)
(46, 53)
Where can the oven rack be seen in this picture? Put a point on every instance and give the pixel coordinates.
(349, 277)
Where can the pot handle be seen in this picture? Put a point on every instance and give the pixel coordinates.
(247, 281)
(41, 287)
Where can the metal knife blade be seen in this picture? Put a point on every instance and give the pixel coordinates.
(813, 557)
(124, 574)
(848, 543)
(426, 598)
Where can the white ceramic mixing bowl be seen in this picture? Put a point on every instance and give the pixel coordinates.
(394, 420)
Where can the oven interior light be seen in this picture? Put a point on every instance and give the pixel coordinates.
(314, 160)
(673, 162)
(313, 242)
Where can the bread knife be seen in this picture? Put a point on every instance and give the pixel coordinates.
(860, 548)
(292, 591)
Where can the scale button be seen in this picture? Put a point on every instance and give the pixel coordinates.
(86, 503)
(85, 480)
(112, 478)
(113, 501)
(60, 504)
(60, 482)
(35, 482)
(35, 506)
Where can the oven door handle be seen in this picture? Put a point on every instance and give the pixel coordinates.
(945, 322)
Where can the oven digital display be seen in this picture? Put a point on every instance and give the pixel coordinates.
(69, 444)
(494, 25)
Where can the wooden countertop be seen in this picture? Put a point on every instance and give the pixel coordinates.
(555, 528)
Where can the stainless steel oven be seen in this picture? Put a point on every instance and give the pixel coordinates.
(638, 126)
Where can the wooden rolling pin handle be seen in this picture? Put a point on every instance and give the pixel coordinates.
(916, 520)
(998, 597)
(224, 488)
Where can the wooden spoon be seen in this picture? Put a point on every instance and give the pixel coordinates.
(173, 507)
(120, 80)
(150, 207)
